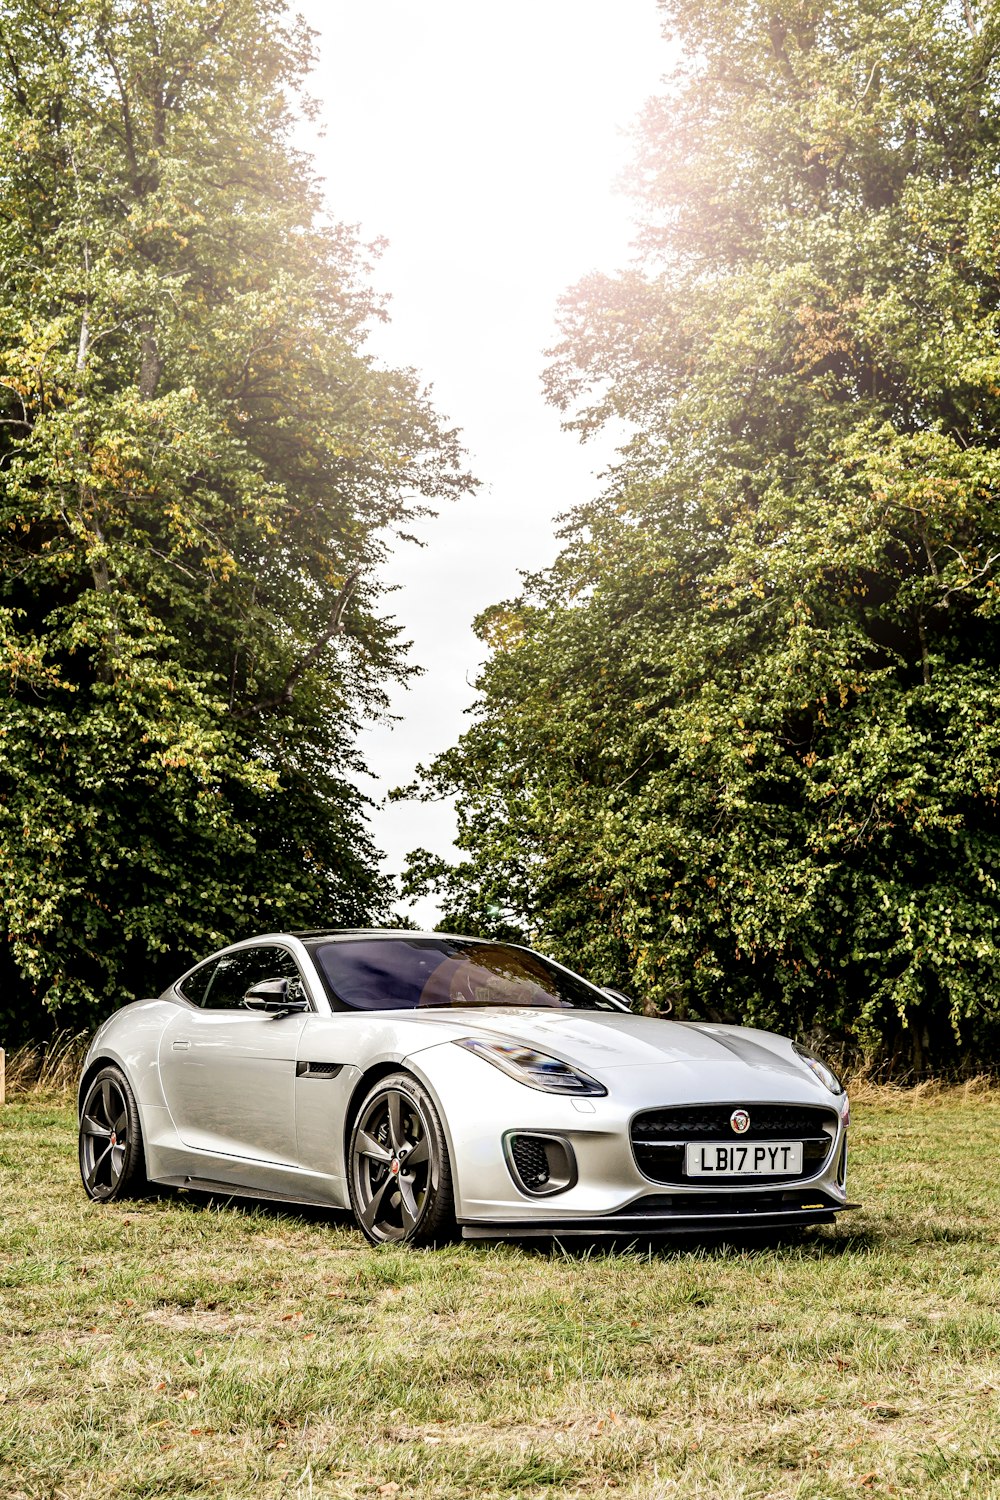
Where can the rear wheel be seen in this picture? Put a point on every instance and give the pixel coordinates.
(112, 1162)
(400, 1173)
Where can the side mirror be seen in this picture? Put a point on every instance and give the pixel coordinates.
(627, 1002)
(275, 997)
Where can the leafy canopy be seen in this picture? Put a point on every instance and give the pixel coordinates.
(200, 470)
(740, 744)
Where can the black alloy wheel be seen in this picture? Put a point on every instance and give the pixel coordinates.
(400, 1174)
(112, 1163)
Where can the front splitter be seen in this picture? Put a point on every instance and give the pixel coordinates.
(652, 1225)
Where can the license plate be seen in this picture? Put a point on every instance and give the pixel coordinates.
(743, 1159)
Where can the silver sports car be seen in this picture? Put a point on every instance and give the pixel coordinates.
(430, 1083)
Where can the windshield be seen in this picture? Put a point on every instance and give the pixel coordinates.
(409, 973)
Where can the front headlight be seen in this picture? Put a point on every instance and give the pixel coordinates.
(816, 1065)
(536, 1069)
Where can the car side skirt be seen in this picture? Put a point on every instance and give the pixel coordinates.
(231, 1190)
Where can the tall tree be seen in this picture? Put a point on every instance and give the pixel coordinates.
(741, 743)
(201, 468)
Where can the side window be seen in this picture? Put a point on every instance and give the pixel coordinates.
(233, 975)
(193, 988)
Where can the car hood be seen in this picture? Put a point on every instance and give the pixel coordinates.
(602, 1040)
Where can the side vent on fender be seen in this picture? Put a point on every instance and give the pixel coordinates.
(317, 1069)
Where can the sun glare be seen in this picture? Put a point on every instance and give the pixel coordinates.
(485, 145)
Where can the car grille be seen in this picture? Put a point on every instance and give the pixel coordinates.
(660, 1135)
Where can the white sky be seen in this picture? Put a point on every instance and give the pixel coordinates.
(484, 142)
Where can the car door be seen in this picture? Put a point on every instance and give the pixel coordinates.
(228, 1073)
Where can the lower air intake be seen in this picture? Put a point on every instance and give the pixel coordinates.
(540, 1164)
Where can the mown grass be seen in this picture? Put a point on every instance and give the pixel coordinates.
(179, 1347)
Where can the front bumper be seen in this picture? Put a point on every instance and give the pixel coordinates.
(610, 1195)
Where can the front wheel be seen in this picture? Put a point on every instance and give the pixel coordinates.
(112, 1162)
(400, 1174)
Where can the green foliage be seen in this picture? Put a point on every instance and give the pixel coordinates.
(741, 743)
(200, 470)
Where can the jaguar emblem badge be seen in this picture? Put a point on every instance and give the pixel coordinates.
(740, 1121)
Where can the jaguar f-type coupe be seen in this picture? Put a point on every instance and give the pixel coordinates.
(432, 1084)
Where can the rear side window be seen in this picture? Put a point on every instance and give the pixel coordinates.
(227, 979)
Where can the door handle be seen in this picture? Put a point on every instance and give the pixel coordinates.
(181, 1046)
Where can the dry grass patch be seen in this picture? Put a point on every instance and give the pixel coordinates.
(51, 1070)
(931, 1093)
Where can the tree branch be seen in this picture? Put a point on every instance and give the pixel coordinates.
(152, 362)
(130, 150)
(335, 626)
(973, 578)
(22, 421)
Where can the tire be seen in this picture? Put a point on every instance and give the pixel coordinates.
(112, 1160)
(399, 1168)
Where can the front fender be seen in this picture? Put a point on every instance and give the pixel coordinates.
(130, 1039)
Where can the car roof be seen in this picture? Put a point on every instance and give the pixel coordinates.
(334, 934)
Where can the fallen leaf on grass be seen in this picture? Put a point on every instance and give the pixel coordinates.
(883, 1413)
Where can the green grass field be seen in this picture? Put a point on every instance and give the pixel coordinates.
(183, 1348)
